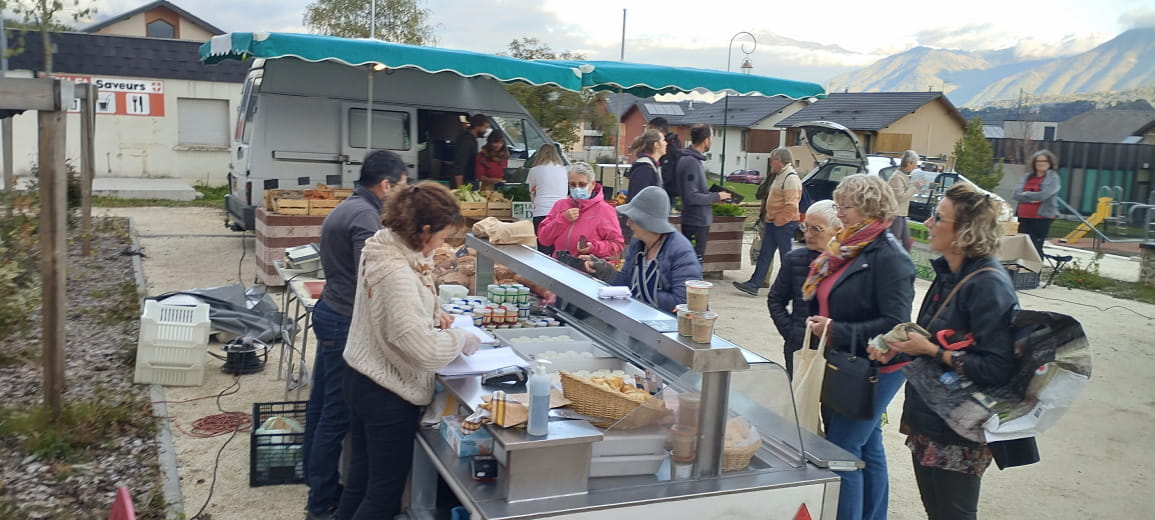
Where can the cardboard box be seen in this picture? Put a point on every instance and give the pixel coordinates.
(1010, 227)
(479, 442)
(1019, 249)
(473, 209)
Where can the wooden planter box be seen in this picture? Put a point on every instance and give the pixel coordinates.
(723, 245)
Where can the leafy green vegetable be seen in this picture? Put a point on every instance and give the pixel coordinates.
(729, 210)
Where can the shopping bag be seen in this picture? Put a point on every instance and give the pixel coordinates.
(809, 369)
(486, 226)
(1054, 366)
(756, 245)
(520, 232)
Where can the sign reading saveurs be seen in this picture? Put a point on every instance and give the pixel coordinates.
(122, 96)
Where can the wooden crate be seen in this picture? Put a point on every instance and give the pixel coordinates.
(342, 193)
(499, 209)
(291, 206)
(272, 195)
(322, 207)
(473, 209)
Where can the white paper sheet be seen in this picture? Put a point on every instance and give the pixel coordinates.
(482, 361)
(463, 322)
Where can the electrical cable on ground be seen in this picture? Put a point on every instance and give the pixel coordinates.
(214, 426)
(1096, 307)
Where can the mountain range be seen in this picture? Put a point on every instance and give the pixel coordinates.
(979, 78)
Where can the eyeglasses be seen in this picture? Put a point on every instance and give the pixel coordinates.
(937, 218)
(806, 229)
(843, 208)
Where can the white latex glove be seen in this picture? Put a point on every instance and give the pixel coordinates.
(471, 345)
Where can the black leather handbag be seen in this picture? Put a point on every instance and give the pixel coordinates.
(850, 384)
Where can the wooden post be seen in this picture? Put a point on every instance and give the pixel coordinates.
(6, 145)
(53, 252)
(87, 95)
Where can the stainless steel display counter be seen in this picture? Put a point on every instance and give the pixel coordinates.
(791, 470)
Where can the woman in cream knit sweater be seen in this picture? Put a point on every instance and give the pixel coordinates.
(397, 340)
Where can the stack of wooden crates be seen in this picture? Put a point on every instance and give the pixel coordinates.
(316, 202)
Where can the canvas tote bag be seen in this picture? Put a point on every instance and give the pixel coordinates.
(809, 370)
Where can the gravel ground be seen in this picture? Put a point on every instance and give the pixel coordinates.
(99, 356)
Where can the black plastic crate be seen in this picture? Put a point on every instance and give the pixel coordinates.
(277, 458)
(1021, 277)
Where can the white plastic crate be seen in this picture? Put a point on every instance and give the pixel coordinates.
(148, 373)
(173, 343)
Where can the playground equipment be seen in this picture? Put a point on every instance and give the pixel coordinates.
(1103, 212)
(1118, 214)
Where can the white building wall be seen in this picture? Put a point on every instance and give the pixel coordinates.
(141, 146)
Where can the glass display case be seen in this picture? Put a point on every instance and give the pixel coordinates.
(721, 424)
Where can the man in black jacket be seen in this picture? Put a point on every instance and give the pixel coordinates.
(343, 234)
(465, 150)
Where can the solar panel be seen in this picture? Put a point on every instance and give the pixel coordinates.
(664, 109)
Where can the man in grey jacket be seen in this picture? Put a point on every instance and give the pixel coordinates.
(697, 200)
(343, 234)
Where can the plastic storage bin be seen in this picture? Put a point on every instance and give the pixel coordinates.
(1021, 277)
(276, 457)
(172, 345)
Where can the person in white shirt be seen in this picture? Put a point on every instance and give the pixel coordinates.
(548, 183)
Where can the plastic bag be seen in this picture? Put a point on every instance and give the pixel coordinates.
(741, 435)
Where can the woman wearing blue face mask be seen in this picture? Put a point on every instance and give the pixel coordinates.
(583, 223)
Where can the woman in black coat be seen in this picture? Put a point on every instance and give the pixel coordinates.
(965, 229)
(860, 287)
(787, 308)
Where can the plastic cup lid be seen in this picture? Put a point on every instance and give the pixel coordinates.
(699, 284)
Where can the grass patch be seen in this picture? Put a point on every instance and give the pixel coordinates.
(20, 357)
(119, 303)
(1087, 277)
(82, 425)
(211, 197)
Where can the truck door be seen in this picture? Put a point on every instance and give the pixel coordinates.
(393, 129)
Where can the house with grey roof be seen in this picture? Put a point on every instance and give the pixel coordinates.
(888, 122)
(1105, 125)
(160, 111)
(745, 128)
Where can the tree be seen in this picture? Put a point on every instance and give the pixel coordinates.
(44, 16)
(975, 158)
(559, 111)
(399, 21)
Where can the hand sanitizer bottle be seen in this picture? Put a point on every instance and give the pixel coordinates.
(539, 384)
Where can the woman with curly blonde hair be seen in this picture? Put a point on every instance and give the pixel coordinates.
(965, 229)
(860, 287)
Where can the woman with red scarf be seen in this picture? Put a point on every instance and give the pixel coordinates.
(861, 286)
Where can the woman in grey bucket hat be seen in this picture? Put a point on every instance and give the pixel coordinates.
(659, 260)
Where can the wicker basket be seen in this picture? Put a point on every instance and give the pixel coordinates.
(738, 458)
(592, 400)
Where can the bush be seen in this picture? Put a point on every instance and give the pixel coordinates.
(19, 263)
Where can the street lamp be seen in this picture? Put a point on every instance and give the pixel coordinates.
(746, 67)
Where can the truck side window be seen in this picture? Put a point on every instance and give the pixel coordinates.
(248, 108)
(390, 129)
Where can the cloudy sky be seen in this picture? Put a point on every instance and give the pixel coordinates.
(796, 40)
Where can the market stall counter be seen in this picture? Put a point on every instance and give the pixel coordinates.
(718, 434)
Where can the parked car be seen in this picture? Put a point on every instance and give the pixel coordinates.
(745, 177)
(845, 157)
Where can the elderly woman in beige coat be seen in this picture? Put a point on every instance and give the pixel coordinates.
(398, 340)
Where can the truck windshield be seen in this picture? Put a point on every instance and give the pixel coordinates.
(522, 136)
